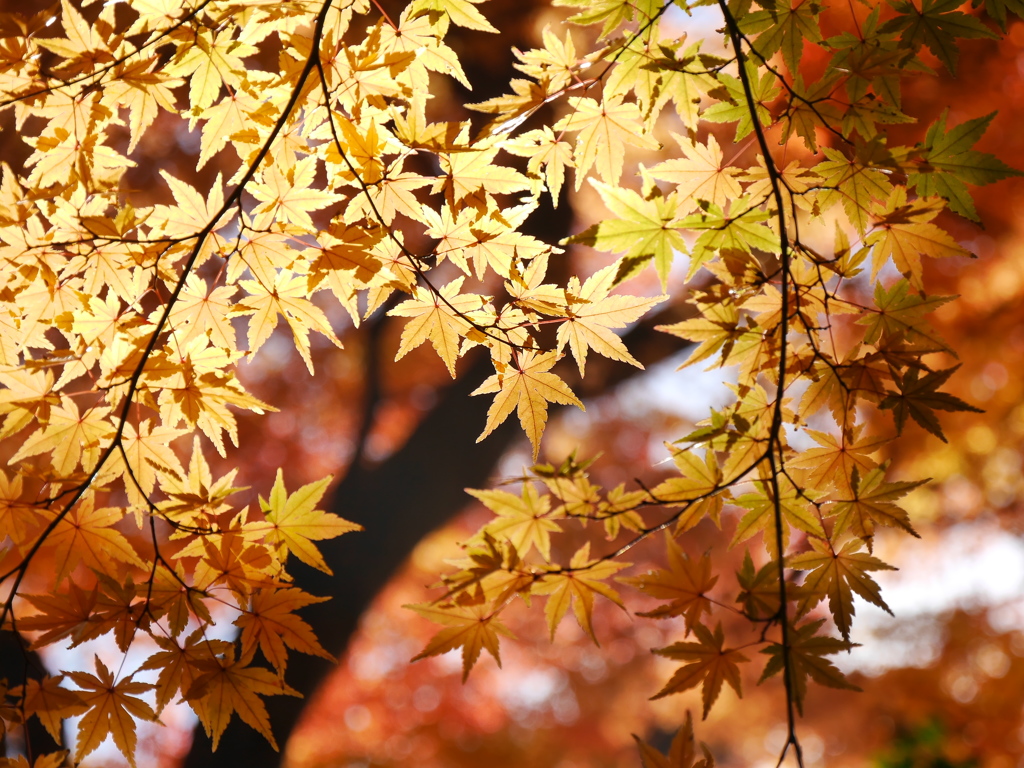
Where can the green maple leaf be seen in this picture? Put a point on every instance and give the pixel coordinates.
(785, 27)
(764, 90)
(857, 182)
(919, 398)
(611, 13)
(949, 164)
(807, 653)
(740, 230)
(901, 315)
(937, 25)
(997, 9)
(642, 229)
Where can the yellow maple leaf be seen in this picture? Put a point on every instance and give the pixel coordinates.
(51, 702)
(525, 385)
(904, 233)
(591, 314)
(472, 173)
(72, 437)
(180, 665)
(525, 521)
(227, 686)
(113, 707)
(710, 664)
(469, 627)
(440, 317)
(577, 584)
(293, 523)
(269, 623)
(701, 175)
(686, 583)
(837, 576)
(682, 752)
(290, 197)
(605, 128)
(285, 298)
(86, 535)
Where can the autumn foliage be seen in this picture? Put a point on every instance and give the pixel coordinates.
(751, 172)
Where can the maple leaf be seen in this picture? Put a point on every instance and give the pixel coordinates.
(461, 12)
(871, 502)
(546, 153)
(686, 583)
(611, 13)
(795, 507)
(525, 521)
(226, 687)
(526, 386)
(837, 576)
(144, 90)
(764, 89)
(682, 752)
(150, 457)
(591, 313)
(806, 655)
(741, 229)
(269, 622)
(937, 24)
(86, 535)
(51, 702)
(70, 437)
(286, 297)
(997, 9)
(715, 329)
(180, 665)
(838, 458)
(856, 182)
(712, 665)
(472, 628)
(293, 523)
(919, 398)
(113, 708)
(948, 163)
(473, 171)
(903, 232)
(901, 314)
(695, 490)
(643, 229)
(201, 310)
(701, 174)
(578, 584)
(441, 318)
(760, 595)
(63, 615)
(786, 26)
(605, 128)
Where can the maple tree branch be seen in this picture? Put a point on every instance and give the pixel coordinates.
(775, 448)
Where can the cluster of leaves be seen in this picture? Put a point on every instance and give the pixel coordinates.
(822, 343)
(120, 320)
